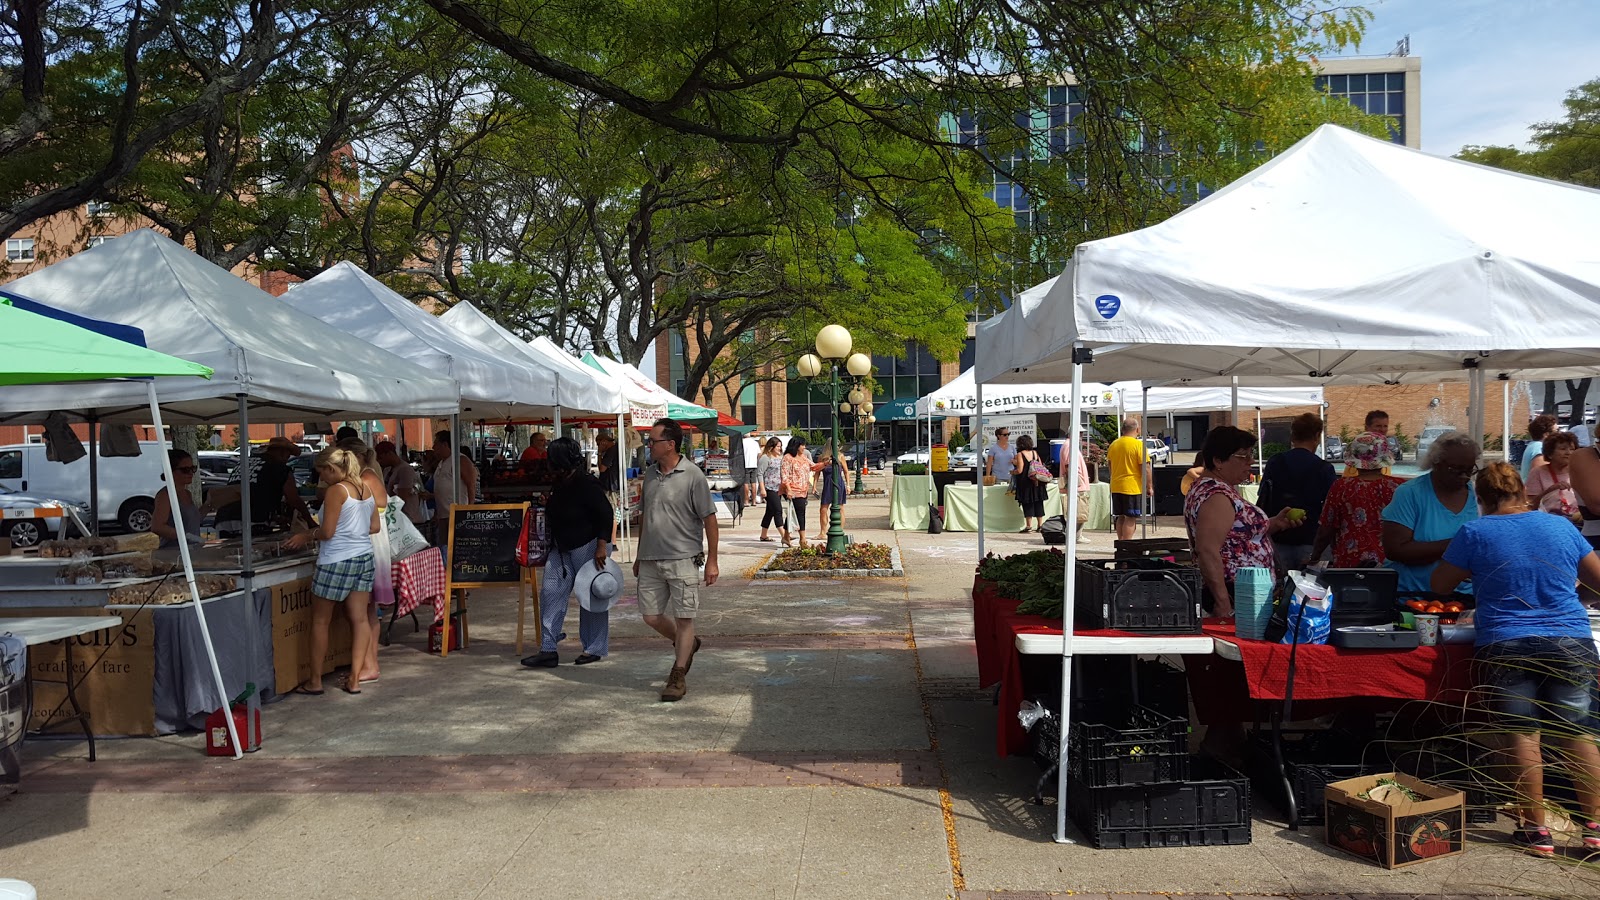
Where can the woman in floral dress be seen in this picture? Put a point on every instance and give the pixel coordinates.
(1351, 522)
(1227, 532)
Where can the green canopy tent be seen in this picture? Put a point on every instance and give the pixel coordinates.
(36, 349)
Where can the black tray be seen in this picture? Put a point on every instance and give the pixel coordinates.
(1396, 639)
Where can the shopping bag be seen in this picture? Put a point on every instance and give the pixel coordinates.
(532, 549)
(1309, 611)
(404, 538)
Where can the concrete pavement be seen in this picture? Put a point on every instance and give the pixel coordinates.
(834, 743)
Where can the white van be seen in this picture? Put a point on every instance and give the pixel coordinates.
(128, 484)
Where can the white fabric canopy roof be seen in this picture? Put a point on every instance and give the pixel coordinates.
(578, 388)
(1344, 259)
(493, 386)
(959, 398)
(292, 367)
(648, 398)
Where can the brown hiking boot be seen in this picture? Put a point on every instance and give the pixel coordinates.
(676, 687)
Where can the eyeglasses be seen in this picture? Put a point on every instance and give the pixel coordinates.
(1245, 455)
(1002, 434)
(1464, 471)
(662, 441)
(187, 470)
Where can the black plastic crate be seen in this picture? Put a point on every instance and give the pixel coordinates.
(1103, 688)
(1144, 595)
(1137, 839)
(1311, 763)
(1217, 797)
(1140, 747)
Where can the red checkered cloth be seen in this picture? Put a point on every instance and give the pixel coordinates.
(420, 578)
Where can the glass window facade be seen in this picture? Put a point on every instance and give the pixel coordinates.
(1377, 93)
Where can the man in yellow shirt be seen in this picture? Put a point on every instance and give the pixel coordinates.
(1127, 457)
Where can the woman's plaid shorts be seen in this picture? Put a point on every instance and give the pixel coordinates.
(335, 581)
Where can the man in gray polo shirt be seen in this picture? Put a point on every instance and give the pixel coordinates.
(677, 522)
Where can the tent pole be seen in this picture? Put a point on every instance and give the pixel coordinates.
(188, 574)
(247, 565)
(1233, 404)
(1475, 398)
(1505, 424)
(1260, 444)
(1068, 605)
(980, 485)
(622, 483)
(94, 474)
(1149, 469)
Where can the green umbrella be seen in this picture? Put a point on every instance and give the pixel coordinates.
(36, 349)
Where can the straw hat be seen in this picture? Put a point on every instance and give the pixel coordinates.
(278, 442)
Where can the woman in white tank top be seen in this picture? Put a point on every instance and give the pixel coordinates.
(345, 564)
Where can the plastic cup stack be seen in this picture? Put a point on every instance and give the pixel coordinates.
(1252, 602)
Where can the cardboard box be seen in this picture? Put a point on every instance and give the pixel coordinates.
(1396, 832)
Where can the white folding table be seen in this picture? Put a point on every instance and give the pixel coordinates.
(35, 630)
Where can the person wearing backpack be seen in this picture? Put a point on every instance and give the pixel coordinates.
(1030, 480)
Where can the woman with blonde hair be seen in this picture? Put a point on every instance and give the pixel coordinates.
(1535, 654)
(382, 555)
(345, 565)
(835, 484)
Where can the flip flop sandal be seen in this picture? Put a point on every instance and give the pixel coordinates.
(302, 689)
(347, 690)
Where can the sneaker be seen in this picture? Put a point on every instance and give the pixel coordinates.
(1083, 539)
(547, 659)
(1591, 835)
(676, 688)
(1534, 840)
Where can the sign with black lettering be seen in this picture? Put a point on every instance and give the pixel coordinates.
(483, 544)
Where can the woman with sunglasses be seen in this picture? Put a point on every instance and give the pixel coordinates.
(189, 515)
(1428, 510)
(1226, 531)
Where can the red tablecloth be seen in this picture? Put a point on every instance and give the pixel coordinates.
(995, 626)
(420, 578)
(1326, 672)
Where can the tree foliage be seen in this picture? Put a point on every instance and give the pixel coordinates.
(1567, 149)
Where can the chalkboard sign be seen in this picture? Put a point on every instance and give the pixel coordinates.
(483, 544)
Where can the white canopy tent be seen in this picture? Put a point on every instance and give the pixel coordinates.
(577, 388)
(271, 362)
(288, 366)
(1344, 259)
(492, 386)
(648, 398)
(961, 397)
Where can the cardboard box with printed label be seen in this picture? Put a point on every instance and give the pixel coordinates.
(1371, 818)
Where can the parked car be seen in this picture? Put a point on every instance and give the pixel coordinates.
(28, 531)
(875, 452)
(1335, 448)
(965, 458)
(216, 467)
(1158, 451)
(916, 455)
(1425, 440)
(127, 484)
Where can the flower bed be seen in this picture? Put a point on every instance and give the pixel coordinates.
(858, 559)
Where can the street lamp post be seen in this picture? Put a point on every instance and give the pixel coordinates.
(833, 349)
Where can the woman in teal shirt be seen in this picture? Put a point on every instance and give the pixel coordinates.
(1428, 510)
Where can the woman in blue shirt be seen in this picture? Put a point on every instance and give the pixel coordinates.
(1428, 510)
(1536, 660)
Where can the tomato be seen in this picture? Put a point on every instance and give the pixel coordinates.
(1418, 605)
(1452, 607)
(1430, 840)
(1435, 608)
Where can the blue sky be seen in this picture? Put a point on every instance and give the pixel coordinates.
(1490, 68)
